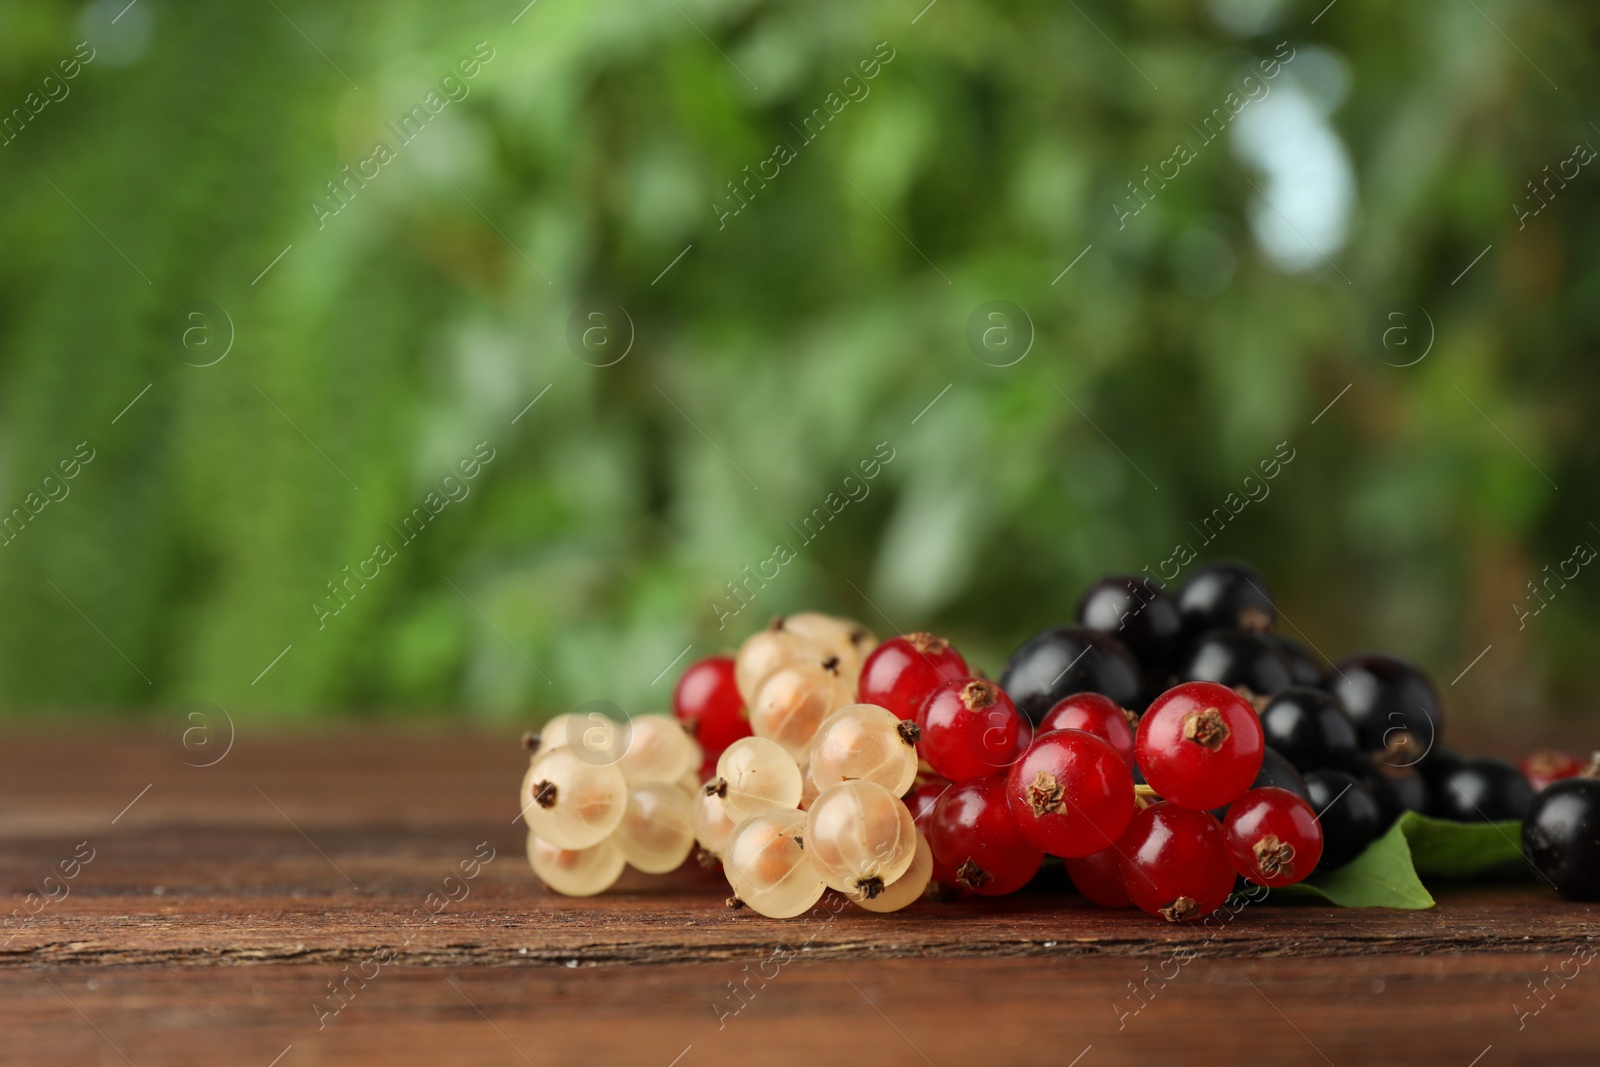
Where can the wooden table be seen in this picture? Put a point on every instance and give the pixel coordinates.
(219, 907)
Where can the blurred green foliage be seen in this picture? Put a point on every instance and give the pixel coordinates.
(783, 346)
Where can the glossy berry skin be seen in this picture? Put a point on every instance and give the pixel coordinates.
(923, 796)
(1071, 793)
(1174, 864)
(1226, 595)
(1272, 837)
(1099, 878)
(1482, 790)
(1385, 696)
(1237, 659)
(1348, 813)
(1561, 837)
(1281, 774)
(1398, 789)
(1095, 714)
(1545, 767)
(901, 672)
(1137, 611)
(1200, 745)
(1066, 660)
(1310, 729)
(969, 729)
(1305, 666)
(976, 845)
(708, 703)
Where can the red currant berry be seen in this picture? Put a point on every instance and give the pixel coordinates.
(1025, 732)
(901, 672)
(1546, 766)
(1200, 745)
(1095, 714)
(923, 796)
(1173, 863)
(1070, 794)
(707, 701)
(1099, 877)
(1272, 837)
(975, 844)
(969, 729)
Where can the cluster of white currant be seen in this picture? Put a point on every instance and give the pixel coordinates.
(813, 798)
(810, 802)
(600, 795)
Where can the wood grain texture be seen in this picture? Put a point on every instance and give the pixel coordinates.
(220, 911)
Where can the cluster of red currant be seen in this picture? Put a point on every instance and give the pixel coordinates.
(892, 771)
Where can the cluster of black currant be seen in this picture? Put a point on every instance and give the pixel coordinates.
(1360, 740)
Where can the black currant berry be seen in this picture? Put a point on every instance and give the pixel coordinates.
(1435, 766)
(1278, 771)
(1310, 728)
(1226, 595)
(1350, 816)
(1482, 790)
(1398, 789)
(1561, 836)
(1067, 660)
(1239, 660)
(1305, 666)
(1393, 704)
(1275, 771)
(1140, 614)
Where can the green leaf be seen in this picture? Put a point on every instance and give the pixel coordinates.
(1386, 874)
(1454, 849)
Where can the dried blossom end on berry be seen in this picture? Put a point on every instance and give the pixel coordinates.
(928, 644)
(544, 794)
(734, 903)
(1046, 796)
(1205, 728)
(869, 888)
(979, 694)
(970, 876)
(1274, 857)
(910, 732)
(717, 787)
(1180, 910)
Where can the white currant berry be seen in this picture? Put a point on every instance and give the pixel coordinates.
(767, 651)
(754, 774)
(866, 742)
(809, 792)
(713, 825)
(571, 802)
(655, 835)
(845, 638)
(905, 890)
(597, 738)
(860, 836)
(768, 867)
(658, 750)
(579, 872)
(793, 703)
